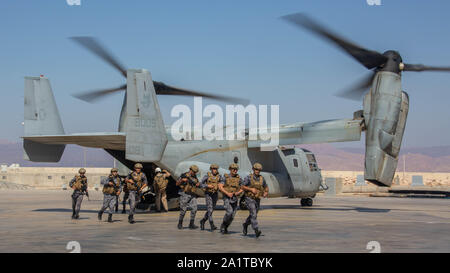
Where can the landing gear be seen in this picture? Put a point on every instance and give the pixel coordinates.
(306, 202)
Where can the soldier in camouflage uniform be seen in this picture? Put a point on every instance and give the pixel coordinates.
(135, 182)
(255, 187)
(210, 184)
(188, 184)
(80, 188)
(111, 189)
(160, 185)
(231, 188)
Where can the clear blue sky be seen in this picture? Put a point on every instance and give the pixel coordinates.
(240, 48)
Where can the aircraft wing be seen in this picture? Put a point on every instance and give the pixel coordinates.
(113, 141)
(338, 130)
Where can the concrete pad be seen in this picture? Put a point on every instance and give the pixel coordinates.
(39, 221)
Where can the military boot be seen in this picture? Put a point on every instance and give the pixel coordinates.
(192, 225)
(257, 233)
(110, 218)
(213, 227)
(131, 219)
(180, 223)
(123, 210)
(244, 228)
(100, 213)
(73, 214)
(77, 215)
(223, 228)
(202, 224)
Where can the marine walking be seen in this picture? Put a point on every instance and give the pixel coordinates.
(230, 186)
(188, 183)
(111, 190)
(135, 182)
(79, 185)
(210, 184)
(255, 187)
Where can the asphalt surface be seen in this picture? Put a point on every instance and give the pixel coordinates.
(39, 221)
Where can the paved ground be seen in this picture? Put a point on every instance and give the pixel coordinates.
(39, 221)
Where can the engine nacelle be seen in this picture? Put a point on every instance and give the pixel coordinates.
(385, 111)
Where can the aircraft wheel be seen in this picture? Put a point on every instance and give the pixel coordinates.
(306, 202)
(302, 202)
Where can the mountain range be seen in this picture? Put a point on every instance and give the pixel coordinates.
(329, 157)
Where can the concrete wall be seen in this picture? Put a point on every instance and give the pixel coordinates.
(429, 179)
(55, 177)
(49, 177)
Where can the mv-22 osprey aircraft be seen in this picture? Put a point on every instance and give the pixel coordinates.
(143, 137)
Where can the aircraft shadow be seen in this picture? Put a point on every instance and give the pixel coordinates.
(203, 208)
(348, 208)
(64, 210)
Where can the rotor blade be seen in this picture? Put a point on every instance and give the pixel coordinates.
(93, 96)
(370, 59)
(357, 91)
(163, 89)
(421, 67)
(95, 47)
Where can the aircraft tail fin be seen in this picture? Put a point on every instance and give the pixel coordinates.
(41, 117)
(146, 136)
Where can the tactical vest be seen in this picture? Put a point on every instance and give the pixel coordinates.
(138, 183)
(108, 189)
(256, 184)
(232, 183)
(214, 181)
(188, 187)
(80, 183)
(161, 182)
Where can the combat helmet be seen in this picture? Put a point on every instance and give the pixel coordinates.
(194, 168)
(257, 166)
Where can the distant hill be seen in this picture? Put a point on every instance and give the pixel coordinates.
(73, 157)
(433, 159)
(420, 159)
(436, 151)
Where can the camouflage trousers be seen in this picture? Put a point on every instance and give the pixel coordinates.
(253, 208)
(132, 197)
(188, 201)
(161, 197)
(211, 201)
(109, 201)
(77, 198)
(126, 195)
(117, 203)
(231, 206)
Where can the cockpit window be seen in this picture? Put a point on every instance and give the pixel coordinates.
(295, 162)
(312, 162)
(311, 158)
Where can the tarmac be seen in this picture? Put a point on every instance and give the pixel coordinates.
(40, 221)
